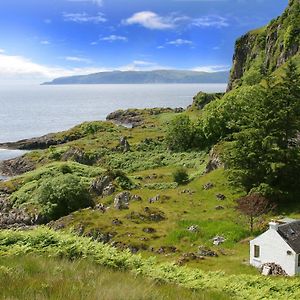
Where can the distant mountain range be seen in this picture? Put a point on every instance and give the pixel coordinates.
(143, 77)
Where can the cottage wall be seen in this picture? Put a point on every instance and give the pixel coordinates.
(274, 249)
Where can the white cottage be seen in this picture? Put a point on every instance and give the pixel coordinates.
(280, 244)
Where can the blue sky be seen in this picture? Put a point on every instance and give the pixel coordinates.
(50, 38)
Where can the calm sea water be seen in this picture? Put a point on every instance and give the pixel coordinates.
(29, 111)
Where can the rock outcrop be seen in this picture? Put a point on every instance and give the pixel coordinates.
(122, 200)
(16, 166)
(266, 49)
(103, 186)
(214, 161)
(11, 217)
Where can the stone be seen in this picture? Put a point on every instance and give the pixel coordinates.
(109, 190)
(149, 230)
(102, 186)
(204, 251)
(117, 222)
(208, 186)
(221, 197)
(136, 198)
(214, 162)
(124, 145)
(193, 228)
(219, 207)
(100, 207)
(74, 154)
(218, 240)
(154, 199)
(122, 200)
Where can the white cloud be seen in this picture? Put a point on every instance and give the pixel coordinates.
(180, 42)
(97, 2)
(45, 42)
(211, 69)
(2, 50)
(78, 59)
(210, 21)
(114, 38)
(150, 20)
(18, 67)
(84, 18)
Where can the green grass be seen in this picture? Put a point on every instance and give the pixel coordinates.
(51, 244)
(38, 277)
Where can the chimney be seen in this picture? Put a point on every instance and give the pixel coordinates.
(273, 225)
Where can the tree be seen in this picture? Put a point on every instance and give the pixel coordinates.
(253, 206)
(62, 195)
(180, 134)
(263, 150)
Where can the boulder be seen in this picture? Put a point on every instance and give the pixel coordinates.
(218, 240)
(203, 251)
(154, 199)
(214, 162)
(124, 145)
(102, 186)
(122, 200)
(136, 198)
(208, 186)
(193, 228)
(221, 197)
(219, 207)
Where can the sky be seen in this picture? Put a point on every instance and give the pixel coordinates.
(45, 39)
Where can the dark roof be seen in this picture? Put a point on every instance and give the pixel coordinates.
(291, 234)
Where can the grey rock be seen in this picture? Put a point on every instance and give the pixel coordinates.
(122, 200)
(193, 228)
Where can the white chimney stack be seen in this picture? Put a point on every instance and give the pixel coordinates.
(273, 225)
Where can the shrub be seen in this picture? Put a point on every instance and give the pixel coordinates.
(181, 176)
(62, 195)
(180, 134)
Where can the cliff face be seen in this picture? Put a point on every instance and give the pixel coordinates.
(266, 49)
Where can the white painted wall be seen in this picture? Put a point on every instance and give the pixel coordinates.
(273, 249)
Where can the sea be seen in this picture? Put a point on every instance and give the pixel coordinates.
(33, 110)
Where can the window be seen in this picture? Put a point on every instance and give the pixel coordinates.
(299, 260)
(256, 251)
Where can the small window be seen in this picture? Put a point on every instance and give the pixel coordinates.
(299, 260)
(256, 251)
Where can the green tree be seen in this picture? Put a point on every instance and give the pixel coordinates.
(180, 134)
(265, 149)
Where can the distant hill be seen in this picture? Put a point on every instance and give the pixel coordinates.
(142, 77)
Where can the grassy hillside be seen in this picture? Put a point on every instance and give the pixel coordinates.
(53, 244)
(38, 277)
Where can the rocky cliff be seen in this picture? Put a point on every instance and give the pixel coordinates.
(264, 50)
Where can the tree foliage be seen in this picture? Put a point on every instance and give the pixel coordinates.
(265, 148)
(180, 134)
(62, 195)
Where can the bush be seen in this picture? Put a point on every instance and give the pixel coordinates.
(180, 134)
(62, 195)
(181, 176)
